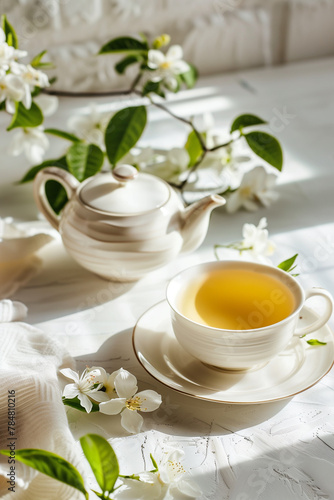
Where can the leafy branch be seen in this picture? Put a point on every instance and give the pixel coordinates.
(157, 73)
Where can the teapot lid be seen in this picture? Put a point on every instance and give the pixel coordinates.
(125, 192)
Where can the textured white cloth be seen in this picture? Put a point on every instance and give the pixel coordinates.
(29, 363)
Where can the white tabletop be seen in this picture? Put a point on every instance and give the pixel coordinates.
(283, 449)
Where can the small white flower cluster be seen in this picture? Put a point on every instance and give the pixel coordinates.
(115, 393)
(255, 245)
(168, 480)
(17, 80)
(165, 67)
(256, 240)
(90, 127)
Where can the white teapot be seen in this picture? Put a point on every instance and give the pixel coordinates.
(124, 224)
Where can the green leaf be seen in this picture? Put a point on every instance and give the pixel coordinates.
(287, 265)
(123, 132)
(11, 37)
(84, 160)
(50, 464)
(124, 44)
(31, 174)
(102, 459)
(56, 195)
(194, 148)
(246, 121)
(153, 87)
(36, 62)
(75, 403)
(122, 65)
(315, 342)
(24, 117)
(62, 134)
(266, 147)
(190, 76)
(54, 191)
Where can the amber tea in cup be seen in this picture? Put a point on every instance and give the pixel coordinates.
(238, 315)
(236, 299)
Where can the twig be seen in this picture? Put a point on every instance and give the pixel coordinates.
(181, 119)
(132, 90)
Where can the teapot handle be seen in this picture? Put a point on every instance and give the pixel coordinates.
(67, 180)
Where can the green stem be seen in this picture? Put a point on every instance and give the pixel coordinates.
(133, 476)
(181, 119)
(234, 246)
(135, 83)
(192, 170)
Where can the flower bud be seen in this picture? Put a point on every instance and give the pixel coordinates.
(161, 41)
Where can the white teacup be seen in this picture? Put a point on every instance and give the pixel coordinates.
(250, 345)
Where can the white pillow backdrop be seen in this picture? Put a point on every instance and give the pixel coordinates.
(217, 35)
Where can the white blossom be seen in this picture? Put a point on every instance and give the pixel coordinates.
(129, 402)
(175, 163)
(16, 85)
(90, 127)
(12, 89)
(255, 188)
(167, 66)
(170, 481)
(32, 141)
(107, 380)
(84, 388)
(47, 103)
(256, 240)
(8, 54)
(30, 76)
(139, 157)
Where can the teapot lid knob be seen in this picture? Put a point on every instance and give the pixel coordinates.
(124, 173)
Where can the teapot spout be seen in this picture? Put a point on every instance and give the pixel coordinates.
(196, 221)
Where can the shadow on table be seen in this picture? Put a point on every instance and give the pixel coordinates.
(67, 287)
(179, 414)
(266, 467)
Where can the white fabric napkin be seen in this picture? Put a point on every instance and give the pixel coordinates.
(29, 363)
(18, 246)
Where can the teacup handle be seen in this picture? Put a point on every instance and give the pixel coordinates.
(318, 323)
(67, 180)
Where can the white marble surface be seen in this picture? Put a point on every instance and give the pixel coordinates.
(273, 451)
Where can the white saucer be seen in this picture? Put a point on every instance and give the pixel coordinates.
(296, 369)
